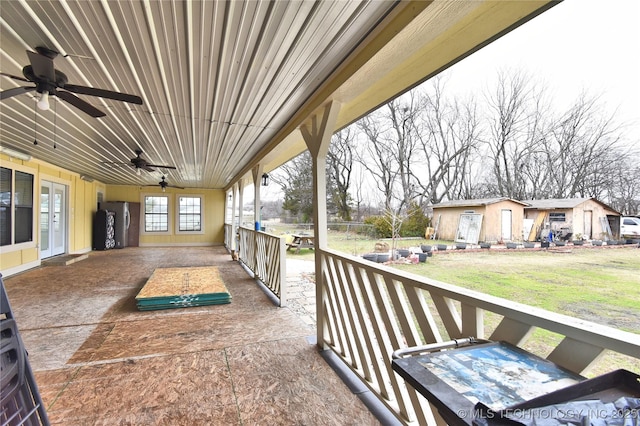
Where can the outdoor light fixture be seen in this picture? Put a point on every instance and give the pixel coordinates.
(265, 179)
(14, 153)
(86, 178)
(43, 103)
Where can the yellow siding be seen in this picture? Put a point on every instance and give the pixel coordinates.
(213, 208)
(10, 260)
(29, 255)
(81, 202)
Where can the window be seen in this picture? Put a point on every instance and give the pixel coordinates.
(16, 207)
(557, 217)
(189, 214)
(24, 207)
(5, 206)
(631, 221)
(156, 214)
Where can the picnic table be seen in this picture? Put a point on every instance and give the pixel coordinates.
(301, 241)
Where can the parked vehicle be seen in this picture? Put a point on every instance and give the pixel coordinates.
(630, 227)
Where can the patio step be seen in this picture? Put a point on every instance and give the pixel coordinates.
(64, 260)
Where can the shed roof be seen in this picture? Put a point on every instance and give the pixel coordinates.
(562, 203)
(475, 202)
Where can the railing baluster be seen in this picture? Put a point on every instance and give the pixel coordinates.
(449, 315)
(472, 321)
(422, 313)
(512, 331)
(574, 355)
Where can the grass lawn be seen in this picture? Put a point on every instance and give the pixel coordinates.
(598, 284)
(595, 284)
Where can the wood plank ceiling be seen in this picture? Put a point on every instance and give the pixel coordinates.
(219, 80)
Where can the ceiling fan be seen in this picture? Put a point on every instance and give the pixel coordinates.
(51, 82)
(164, 185)
(140, 163)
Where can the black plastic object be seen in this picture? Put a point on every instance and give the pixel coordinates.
(104, 230)
(20, 401)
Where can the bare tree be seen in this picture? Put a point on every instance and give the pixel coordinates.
(377, 156)
(447, 134)
(583, 150)
(516, 134)
(625, 192)
(339, 169)
(402, 114)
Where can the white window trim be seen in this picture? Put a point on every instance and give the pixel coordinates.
(177, 210)
(35, 236)
(143, 215)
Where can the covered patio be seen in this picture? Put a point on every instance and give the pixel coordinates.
(223, 106)
(99, 360)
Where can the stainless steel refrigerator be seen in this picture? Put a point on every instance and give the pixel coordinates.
(123, 220)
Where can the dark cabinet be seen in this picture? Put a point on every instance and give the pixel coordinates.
(134, 225)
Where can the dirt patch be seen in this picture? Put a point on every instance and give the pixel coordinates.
(612, 316)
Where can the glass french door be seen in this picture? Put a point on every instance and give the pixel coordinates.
(53, 228)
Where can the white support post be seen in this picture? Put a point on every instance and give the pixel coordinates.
(240, 217)
(240, 202)
(257, 180)
(317, 134)
(234, 224)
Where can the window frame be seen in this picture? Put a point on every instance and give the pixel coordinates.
(35, 195)
(178, 214)
(555, 216)
(143, 215)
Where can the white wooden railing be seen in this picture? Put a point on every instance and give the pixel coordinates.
(265, 255)
(367, 311)
(228, 236)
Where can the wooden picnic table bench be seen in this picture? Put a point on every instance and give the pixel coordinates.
(300, 242)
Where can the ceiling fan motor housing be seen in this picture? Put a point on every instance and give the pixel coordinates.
(42, 83)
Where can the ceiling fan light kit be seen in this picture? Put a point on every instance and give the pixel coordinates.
(43, 103)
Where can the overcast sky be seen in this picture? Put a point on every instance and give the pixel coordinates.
(576, 46)
(589, 45)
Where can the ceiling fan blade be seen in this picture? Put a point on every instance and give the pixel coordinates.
(102, 93)
(15, 91)
(15, 77)
(161, 167)
(148, 168)
(42, 66)
(114, 163)
(80, 104)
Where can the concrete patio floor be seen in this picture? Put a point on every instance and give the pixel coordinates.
(98, 360)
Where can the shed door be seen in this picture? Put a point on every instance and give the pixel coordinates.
(588, 217)
(506, 225)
